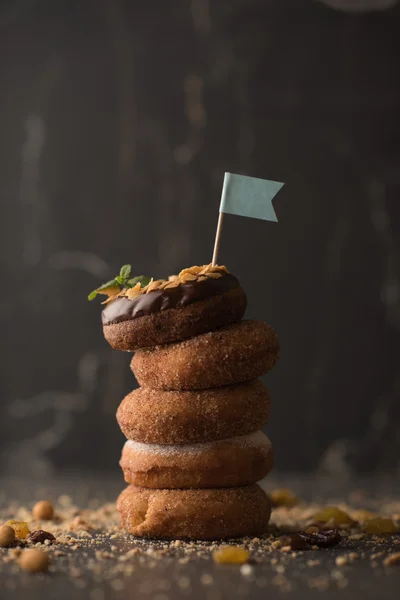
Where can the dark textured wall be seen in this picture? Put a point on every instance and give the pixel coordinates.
(118, 120)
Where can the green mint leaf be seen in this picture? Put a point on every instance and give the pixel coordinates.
(108, 284)
(104, 286)
(142, 279)
(121, 280)
(125, 271)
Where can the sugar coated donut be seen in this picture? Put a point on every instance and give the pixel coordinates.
(232, 462)
(237, 353)
(211, 514)
(168, 311)
(172, 417)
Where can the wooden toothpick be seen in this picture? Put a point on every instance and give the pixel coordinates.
(246, 197)
(217, 238)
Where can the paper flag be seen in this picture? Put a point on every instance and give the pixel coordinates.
(249, 196)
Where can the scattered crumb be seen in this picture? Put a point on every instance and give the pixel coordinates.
(90, 547)
(246, 570)
(353, 556)
(313, 563)
(356, 536)
(206, 579)
(392, 559)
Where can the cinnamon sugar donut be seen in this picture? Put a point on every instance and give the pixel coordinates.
(211, 514)
(241, 352)
(236, 461)
(171, 314)
(171, 417)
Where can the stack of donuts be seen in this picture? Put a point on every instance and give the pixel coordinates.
(195, 448)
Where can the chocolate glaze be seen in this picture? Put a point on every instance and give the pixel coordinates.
(123, 309)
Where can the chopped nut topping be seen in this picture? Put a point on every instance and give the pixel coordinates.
(133, 292)
(153, 285)
(190, 271)
(172, 284)
(189, 275)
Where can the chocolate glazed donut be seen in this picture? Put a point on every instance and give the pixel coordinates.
(173, 314)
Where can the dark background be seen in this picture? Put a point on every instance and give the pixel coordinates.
(117, 122)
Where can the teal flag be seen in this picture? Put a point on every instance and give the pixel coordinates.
(249, 196)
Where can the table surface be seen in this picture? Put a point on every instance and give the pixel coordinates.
(307, 575)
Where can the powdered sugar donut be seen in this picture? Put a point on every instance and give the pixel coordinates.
(241, 352)
(172, 417)
(211, 514)
(236, 461)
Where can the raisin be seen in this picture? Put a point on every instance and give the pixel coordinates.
(40, 536)
(363, 515)
(380, 525)
(231, 555)
(20, 527)
(334, 514)
(296, 541)
(283, 497)
(324, 538)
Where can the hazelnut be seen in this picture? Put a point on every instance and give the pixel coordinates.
(34, 561)
(7, 536)
(43, 510)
